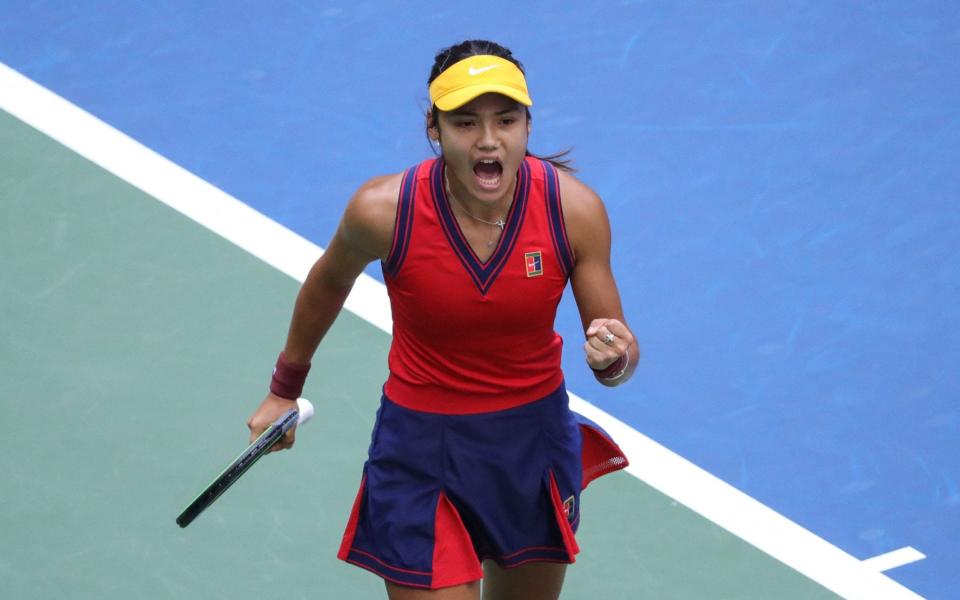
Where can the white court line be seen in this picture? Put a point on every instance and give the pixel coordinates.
(894, 559)
(654, 464)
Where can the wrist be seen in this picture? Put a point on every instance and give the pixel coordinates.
(614, 370)
(288, 378)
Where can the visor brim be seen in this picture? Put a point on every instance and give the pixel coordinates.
(458, 98)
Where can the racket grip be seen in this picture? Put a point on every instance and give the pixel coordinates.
(305, 410)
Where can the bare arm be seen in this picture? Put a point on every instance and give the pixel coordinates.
(365, 234)
(594, 287)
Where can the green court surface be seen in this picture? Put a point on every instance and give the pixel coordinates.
(134, 343)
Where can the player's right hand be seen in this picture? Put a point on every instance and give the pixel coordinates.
(271, 409)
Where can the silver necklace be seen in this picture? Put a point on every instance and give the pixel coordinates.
(498, 223)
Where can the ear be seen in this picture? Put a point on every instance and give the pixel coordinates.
(433, 132)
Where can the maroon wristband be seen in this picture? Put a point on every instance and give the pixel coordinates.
(614, 370)
(288, 378)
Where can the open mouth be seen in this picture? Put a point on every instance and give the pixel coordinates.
(489, 172)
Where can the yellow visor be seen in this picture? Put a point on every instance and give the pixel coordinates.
(471, 77)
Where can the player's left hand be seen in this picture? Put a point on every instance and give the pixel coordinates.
(607, 340)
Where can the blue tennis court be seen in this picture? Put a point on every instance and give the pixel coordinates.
(780, 179)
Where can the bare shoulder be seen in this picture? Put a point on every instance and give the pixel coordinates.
(583, 213)
(375, 201)
(369, 218)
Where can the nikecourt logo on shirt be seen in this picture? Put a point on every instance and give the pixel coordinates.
(533, 261)
(475, 71)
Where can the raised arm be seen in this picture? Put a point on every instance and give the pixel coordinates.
(365, 234)
(610, 347)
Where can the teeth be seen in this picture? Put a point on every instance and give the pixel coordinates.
(493, 180)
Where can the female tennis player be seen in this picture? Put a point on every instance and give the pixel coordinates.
(476, 463)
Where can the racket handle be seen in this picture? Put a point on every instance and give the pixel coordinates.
(305, 410)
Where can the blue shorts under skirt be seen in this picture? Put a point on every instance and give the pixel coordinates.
(441, 493)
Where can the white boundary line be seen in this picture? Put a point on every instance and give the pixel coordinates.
(290, 253)
(894, 559)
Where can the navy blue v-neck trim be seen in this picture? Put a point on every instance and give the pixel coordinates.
(482, 273)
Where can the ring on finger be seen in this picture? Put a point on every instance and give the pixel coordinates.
(608, 339)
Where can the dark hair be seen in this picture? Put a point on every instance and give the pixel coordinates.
(456, 53)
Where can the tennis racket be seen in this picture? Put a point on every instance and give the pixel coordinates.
(260, 446)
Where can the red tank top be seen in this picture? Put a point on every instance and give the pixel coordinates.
(472, 336)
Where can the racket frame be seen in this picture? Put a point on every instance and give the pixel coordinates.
(270, 436)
